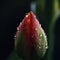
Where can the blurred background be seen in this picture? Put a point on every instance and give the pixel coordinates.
(11, 14)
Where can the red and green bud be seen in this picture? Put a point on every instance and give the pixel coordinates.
(30, 40)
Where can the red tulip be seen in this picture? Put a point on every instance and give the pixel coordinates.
(30, 40)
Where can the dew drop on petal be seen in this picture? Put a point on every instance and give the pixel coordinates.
(40, 25)
(36, 29)
(28, 21)
(45, 37)
(46, 47)
(15, 36)
(17, 29)
(34, 16)
(41, 35)
(39, 47)
(26, 16)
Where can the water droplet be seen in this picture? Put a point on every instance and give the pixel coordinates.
(39, 47)
(28, 21)
(45, 37)
(40, 35)
(15, 36)
(34, 16)
(18, 29)
(46, 47)
(46, 43)
(36, 29)
(40, 25)
(26, 15)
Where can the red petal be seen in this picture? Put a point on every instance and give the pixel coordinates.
(30, 25)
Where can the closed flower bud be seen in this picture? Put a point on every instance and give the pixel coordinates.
(30, 39)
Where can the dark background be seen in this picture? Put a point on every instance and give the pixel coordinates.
(11, 13)
(57, 40)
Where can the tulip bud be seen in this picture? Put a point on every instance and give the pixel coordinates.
(30, 40)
